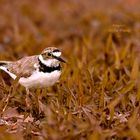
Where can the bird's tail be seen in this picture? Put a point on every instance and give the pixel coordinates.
(4, 63)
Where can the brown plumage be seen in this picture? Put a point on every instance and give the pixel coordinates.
(23, 67)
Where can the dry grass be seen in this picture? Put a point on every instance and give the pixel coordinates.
(98, 94)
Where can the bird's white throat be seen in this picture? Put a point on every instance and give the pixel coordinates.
(49, 62)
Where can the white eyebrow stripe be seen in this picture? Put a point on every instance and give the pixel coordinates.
(57, 54)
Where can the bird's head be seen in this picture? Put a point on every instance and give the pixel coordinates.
(51, 56)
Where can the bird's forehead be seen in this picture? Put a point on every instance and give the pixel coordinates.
(50, 49)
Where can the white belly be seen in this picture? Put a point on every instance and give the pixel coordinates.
(40, 79)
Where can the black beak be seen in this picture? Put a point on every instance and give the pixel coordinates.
(60, 59)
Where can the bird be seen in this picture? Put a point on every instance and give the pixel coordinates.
(36, 71)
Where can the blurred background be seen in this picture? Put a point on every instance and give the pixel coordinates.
(98, 94)
(37, 24)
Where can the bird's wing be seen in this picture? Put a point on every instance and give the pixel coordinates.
(23, 67)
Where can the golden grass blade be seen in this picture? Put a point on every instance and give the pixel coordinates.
(135, 70)
(117, 57)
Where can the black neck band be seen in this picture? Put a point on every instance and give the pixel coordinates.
(44, 68)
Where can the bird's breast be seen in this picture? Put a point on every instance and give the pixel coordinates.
(40, 79)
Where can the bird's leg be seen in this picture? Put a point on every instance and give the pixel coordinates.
(40, 105)
(27, 98)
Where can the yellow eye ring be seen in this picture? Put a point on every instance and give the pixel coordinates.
(49, 54)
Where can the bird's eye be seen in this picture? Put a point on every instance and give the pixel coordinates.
(49, 54)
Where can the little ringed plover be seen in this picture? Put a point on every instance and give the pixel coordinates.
(37, 71)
